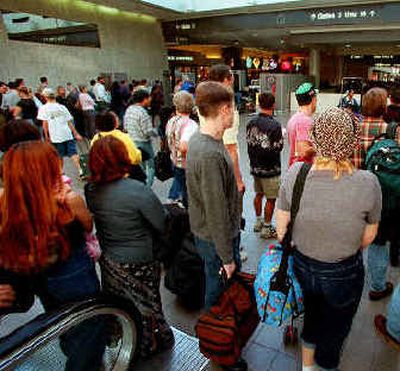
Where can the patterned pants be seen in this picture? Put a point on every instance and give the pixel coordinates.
(139, 283)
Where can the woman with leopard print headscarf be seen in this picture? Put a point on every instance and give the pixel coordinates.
(338, 216)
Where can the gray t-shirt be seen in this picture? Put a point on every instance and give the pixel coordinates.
(213, 194)
(333, 213)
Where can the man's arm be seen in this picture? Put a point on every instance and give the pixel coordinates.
(304, 149)
(233, 152)
(46, 130)
(216, 205)
(73, 130)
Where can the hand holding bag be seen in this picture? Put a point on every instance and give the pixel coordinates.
(278, 293)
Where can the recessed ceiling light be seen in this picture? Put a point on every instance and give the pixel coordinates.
(347, 45)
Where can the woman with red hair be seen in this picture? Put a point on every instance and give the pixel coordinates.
(42, 245)
(128, 216)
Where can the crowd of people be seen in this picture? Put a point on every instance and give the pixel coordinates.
(44, 224)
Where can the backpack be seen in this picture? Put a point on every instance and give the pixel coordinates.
(383, 159)
(277, 291)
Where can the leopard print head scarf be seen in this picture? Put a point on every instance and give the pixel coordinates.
(335, 134)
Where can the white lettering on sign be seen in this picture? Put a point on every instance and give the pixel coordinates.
(324, 15)
(186, 58)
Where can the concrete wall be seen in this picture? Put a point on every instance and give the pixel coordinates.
(130, 43)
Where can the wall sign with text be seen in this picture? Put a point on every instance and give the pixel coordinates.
(363, 14)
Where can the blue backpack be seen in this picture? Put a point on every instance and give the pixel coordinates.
(277, 291)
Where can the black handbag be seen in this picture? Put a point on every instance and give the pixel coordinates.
(163, 166)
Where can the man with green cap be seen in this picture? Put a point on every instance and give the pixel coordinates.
(300, 123)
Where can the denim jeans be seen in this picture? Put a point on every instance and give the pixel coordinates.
(332, 293)
(393, 315)
(212, 267)
(178, 187)
(378, 261)
(148, 165)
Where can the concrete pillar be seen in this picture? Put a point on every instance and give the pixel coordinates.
(315, 65)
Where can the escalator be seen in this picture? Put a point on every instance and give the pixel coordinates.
(39, 345)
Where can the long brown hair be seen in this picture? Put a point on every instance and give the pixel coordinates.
(33, 217)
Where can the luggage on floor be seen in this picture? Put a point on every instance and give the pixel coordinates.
(184, 267)
(185, 277)
(225, 329)
(277, 291)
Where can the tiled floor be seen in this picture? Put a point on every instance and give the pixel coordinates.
(265, 351)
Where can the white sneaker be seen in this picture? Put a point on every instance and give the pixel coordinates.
(243, 256)
(268, 232)
(258, 226)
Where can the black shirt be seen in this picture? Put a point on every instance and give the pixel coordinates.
(264, 145)
(28, 109)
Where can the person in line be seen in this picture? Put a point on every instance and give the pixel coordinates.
(58, 128)
(299, 125)
(43, 246)
(157, 103)
(107, 123)
(180, 129)
(264, 144)
(87, 105)
(373, 109)
(339, 214)
(44, 83)
(392, 117)
(118, 102)
(11, 98)
(26, 108)
(100, 93)
(128, 216)
(61, 96)
(92, 83)
(223, 74)
(178, 85)
(213, 194)
(349, 102)
(138, 124)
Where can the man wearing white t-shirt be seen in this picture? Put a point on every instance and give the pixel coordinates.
(58, 128)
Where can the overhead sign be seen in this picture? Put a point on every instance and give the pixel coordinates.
(186, 58)
(352, 14)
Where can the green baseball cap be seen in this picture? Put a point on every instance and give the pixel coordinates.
(306, 88)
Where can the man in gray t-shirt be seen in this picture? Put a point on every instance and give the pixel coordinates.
(212, 190)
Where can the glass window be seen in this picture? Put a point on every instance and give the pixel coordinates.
(47, 30)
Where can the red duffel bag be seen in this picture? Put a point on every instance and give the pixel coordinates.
(225, 329)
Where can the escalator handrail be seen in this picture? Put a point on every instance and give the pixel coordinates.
(42, 329)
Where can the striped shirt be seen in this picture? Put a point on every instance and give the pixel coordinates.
(138, 124)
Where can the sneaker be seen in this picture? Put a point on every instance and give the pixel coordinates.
(268, 232)
(381, 330)
(243, 256)
(258, 226)
(378, 295)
